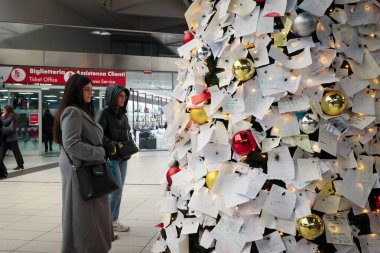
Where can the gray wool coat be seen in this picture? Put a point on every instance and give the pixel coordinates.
(86, 225)
(6, 121)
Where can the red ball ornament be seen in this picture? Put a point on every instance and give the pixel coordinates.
(188, 36)
(377, 202)
(170, 173)
(243, 143)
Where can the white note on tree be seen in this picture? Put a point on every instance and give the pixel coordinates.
(280, 202)
(280, 164)
(309, 169)
(224, 231)
(251, 185)
(338, 230)
(271, 243)
(355, 190)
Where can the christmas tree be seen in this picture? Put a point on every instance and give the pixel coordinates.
(273, 129)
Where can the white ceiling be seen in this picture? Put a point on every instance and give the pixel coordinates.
(163, 19)
(138, 15)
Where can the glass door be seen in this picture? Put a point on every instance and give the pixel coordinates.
(102, 99)
(27, 106)
(51, 98)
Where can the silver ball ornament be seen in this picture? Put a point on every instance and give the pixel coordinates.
(309, 123)
(304, 24)
(203, 53)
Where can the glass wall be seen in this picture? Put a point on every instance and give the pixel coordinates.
(149, 93)
(26, 106)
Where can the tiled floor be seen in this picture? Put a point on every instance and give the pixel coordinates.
(30, 206)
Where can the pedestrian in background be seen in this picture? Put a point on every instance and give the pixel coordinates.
(87, 224)
(47, 130)
(9, 138)
(3, 169)
(116, 129)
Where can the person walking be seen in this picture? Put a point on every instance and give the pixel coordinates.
(87, 224)
(47, 130)
(9, 139)
(116, 129)
(3, 169)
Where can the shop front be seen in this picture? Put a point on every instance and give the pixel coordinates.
(31, 91)
(34, 91)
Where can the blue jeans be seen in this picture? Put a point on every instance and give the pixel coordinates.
(119, 172)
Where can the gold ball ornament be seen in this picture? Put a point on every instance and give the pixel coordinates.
(198, 115)
(310, 227)
(210, 178)
(333, 103)
(243, 69)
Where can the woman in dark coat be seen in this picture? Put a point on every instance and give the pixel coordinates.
(10, 138)
(116, 130)
(86, 225)
(47, 130)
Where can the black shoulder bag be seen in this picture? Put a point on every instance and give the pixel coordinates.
(95, 178)
(125, 149)
(9, 129)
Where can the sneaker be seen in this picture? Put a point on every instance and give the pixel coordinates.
(115, 236)
(117, 226)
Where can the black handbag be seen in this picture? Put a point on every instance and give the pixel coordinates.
(94, 178)
(9, 128)
(126, 149)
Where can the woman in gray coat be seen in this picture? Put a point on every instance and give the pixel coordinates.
(86, 225)
(10, 139)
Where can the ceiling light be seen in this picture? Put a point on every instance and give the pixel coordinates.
(101, 33)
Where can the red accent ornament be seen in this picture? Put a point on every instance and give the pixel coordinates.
(170, 173)
(243, 143)
(160, 225)
(377, 202)
(205, 95)
(188, 36)
(260, 1)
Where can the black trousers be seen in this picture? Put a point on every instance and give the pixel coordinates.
(3, 169)
(13, 145)
(48, 140)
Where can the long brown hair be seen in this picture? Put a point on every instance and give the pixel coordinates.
(73, 96)
(10, 110)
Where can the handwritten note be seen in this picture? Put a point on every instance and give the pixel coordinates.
(233, 105)
(338, 230)
(309, 169)
(317, 8)
(328, 204)
(231, 238)
(327, 141)
(280, 164)
(280, 202)
(271, 243)
(355, 190)
(251, 185)
(202, 201)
